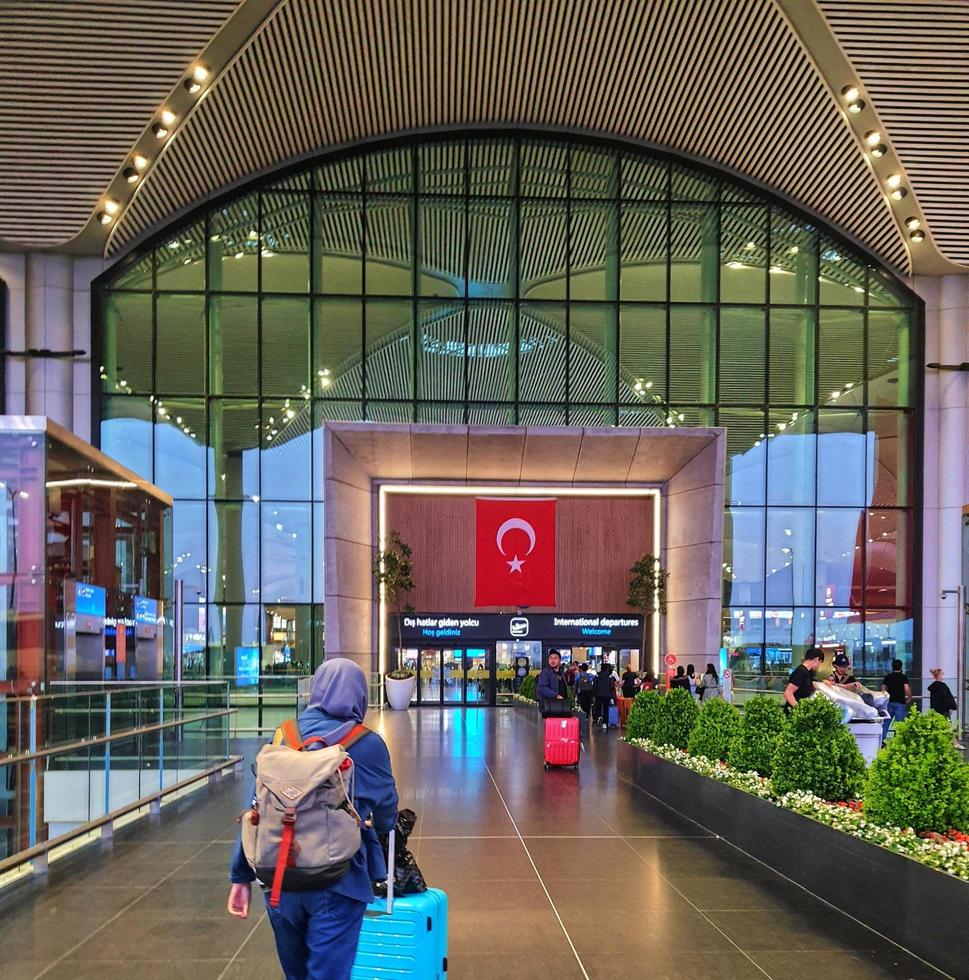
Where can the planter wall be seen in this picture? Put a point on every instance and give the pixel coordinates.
(919, 908)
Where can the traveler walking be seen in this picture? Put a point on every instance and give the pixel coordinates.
(940, 696)
(551, 688)
(899, 696)
(630, 683)
(605, 691)
(316, 930)
(691, 677)
(585, 690)
(680, 680)
(708, 687)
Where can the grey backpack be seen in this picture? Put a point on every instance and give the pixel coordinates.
(302, 829)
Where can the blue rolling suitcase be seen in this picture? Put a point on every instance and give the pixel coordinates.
(403, 937)
(613, 715)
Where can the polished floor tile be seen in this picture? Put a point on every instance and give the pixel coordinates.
(559, 874)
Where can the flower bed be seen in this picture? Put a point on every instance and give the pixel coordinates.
(944, 853)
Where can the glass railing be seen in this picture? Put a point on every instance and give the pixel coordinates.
(77, 761)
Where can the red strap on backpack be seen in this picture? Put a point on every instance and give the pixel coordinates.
(282, 862)
(290, 734)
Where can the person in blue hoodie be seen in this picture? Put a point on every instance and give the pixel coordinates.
(317, 931)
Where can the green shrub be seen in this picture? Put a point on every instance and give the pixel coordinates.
(816, 753)
(918, 779)
(677, 716)
(714, 730)
(755, 743)
(643, 715)
(527, 688)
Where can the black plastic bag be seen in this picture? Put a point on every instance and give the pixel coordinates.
(408, 879)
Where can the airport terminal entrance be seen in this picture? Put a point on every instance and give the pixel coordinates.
(453, 675)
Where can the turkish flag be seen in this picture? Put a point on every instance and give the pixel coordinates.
(514, 552)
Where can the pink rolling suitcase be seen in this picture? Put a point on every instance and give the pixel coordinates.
(561, 742)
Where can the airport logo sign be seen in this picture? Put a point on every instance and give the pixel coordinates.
(518, 627)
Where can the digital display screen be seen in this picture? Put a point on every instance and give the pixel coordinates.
(146, 617)
(89, 600)
(247, 666)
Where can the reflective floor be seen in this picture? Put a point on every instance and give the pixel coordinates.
(560, 874)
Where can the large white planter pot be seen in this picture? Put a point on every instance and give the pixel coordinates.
(400, 692)
(868, 735)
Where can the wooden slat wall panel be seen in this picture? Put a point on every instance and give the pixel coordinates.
(723, 79)
(79, 81)
(913, 59)
(597, 540)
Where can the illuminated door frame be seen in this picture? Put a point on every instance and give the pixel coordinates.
(474, 490)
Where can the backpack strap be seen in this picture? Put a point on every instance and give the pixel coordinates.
(288, 734)
(354, 735)
(282, 861)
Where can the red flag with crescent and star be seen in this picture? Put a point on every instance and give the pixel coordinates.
(514, 552)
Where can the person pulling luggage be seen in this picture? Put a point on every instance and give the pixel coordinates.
(552, 691)
(317, 929)
(605, 692)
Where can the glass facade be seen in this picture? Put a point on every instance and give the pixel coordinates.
(525, 281)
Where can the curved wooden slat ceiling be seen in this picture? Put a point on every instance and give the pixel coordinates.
(729, 81)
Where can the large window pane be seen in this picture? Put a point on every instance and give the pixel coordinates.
(285, 346)
(319, 555)
(491, 351)
(338, 244)
(390, 171)
(126, 433)
(234, 551)
(338, 348)
(389, 249)
(791, 454)
(843, 457)
(792, 349)
(189, 548)
(743, 553)
(746, 455)
(841, 278)
(126, 353)
(888, 559)
(234, 246)
(286, 462)
(793, 259)
(285, 243)
(644, 250)
(235, 434)
(644, 179)
(543, 259)
(544, 170)
(642, 354)
(287, 552)
(233, 345)
(891, 366)
(180, 345)
(694, 253)
(841, 361)
(389, 347)
(441, 240)
(232, 630)
(492, 165)
(592, 354)
(541, 352)
(840, 631)
(180, 262)
(441, 168)
(492, 249)
(743, 349)
(889, 635)
(743, 252)
(593, 252)
(595, 173)
(790, 556)
(441, 351)
(693, 361)
(892, 465)
(840, 533)
(180, 453)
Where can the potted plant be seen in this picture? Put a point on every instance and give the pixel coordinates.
(393, 571)
(647, 591)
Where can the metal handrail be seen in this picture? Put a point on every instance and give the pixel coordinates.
(105, 687)
(86, 743)
(42, 849)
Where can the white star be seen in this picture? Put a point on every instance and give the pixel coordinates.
(516, 564)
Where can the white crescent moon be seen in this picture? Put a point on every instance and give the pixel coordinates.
(516, 524)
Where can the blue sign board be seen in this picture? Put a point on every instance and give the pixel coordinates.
(247, 666)
(89, 600)
(146, 610)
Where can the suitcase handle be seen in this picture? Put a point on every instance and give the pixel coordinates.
(391, 844)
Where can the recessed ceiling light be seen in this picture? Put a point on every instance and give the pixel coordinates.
(912, 223)
(730, 265)
(105, 218)
(855, 107)
(873, 137)
(917, 236)
(898, 194)
(139, 161)
(200, 73)
(112, 206)
(879, 150)
(131, 175)
(168, 117)
(893, 180)
(159, 131)
(850, 93)
(192, 86)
